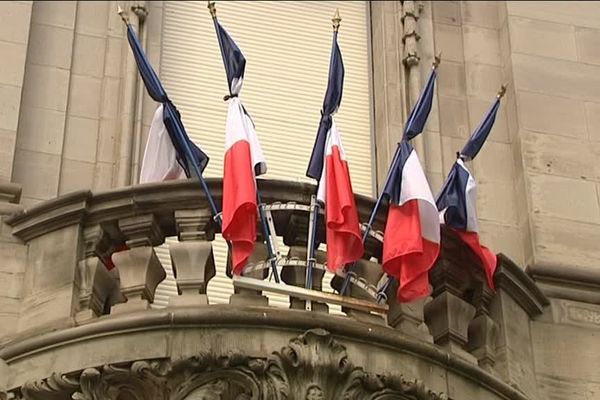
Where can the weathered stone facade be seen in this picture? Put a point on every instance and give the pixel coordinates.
(73, 119)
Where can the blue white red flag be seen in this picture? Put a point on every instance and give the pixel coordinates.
(328, 164)
(457, 199)
(165, 156)
(411, 240)
(244, 160)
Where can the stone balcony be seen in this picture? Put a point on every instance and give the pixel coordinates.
(81, 331)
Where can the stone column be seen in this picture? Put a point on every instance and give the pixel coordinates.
(139, 268)
(129, 95)
(192, 257)
(388, 81)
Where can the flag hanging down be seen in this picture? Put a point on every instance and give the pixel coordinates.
(344, 242)
(165, 156)
(329, 166)
(456, 201)
(411, 240)
(244, 160)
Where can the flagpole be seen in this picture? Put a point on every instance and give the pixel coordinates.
(381, 293)
(263, 222)
(314, 203)
(345, 284)
(188, 151)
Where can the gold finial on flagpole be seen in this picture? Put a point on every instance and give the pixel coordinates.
(436, 60)
(502, 90)
(212, 9)
(121, 13)
(336, 20)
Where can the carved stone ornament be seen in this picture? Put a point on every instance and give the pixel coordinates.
(313, 366)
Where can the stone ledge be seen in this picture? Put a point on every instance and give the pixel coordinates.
(510, 277)
(567, 282)
(225, 316)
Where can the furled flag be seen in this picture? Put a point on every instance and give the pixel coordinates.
(329, 166)
(166, 154)
(411, 240)
(457, 199)
(244, 159)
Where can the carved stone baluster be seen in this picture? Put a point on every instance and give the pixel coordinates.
(483, 330)
(448, 315)
(249, 297)
(192, 257)
(95, 282)
(408, 318)
(368, 274)
(139, 268)
(295, 275)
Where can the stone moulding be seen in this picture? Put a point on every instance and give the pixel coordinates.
(312, 366)
(274, 319)
(98, 207)
(567, 281)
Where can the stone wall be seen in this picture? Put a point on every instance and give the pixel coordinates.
(80, 99)
(14, 36)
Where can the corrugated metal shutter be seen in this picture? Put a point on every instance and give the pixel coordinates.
(287, 47)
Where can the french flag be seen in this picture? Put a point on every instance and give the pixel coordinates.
(329, 166)
(457, 199)
(411, 241)
(165, 155)
(244, 160)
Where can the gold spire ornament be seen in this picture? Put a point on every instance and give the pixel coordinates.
(121, 13)
(212, 9)
(336, 20)
(502, 91)
(436, 60)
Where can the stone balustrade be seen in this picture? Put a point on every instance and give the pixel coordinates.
(91, 257)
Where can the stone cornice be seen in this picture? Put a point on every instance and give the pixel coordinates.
(265, 318)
